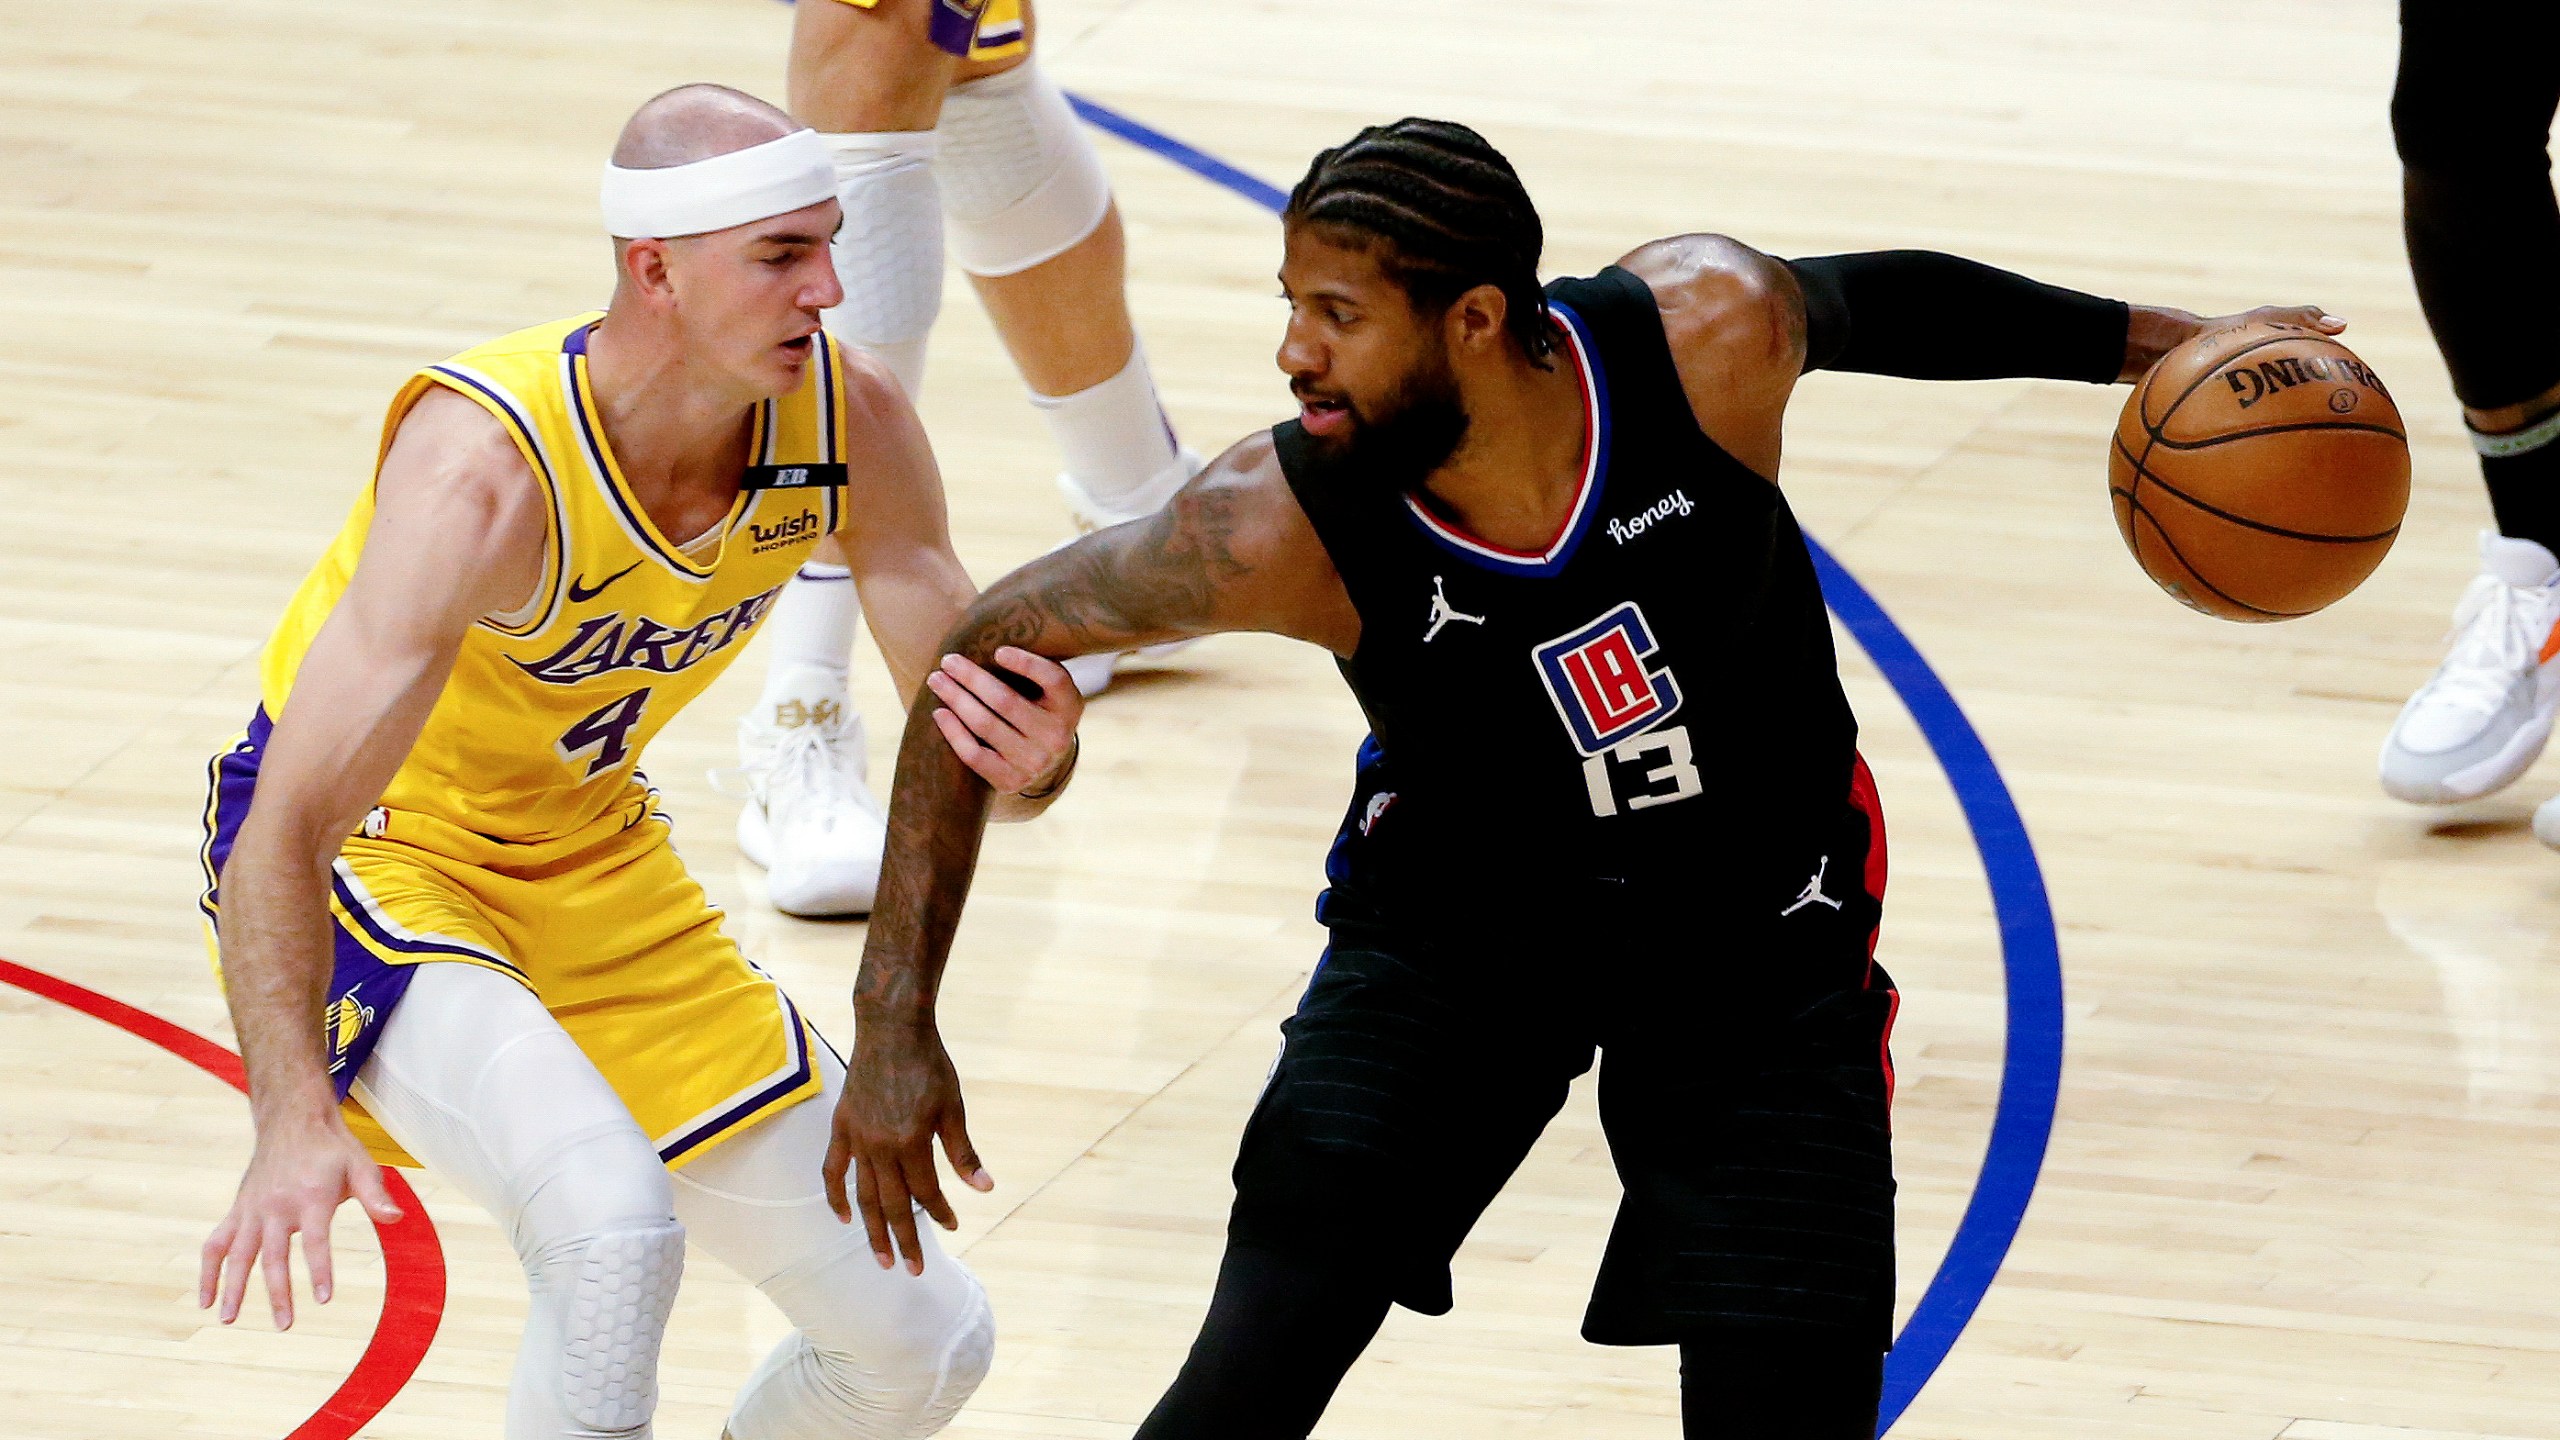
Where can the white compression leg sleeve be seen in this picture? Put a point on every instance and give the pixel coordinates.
(889, 253)
(875, 1354)
(474, 1078)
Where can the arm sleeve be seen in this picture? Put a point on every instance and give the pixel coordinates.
(1927, 316)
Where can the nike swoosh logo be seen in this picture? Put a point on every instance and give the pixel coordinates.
(580, 594)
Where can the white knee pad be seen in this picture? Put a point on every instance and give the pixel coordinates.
(620, 1287)
(1020, 180)
(604, 1256)
(889, 253)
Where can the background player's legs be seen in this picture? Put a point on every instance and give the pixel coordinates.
(2471, 116)
(1282, 1331)
(921, 136)
(1815, 1386)
(475, 1079)
(875, 1354)
(871, 83)
(1033, 224)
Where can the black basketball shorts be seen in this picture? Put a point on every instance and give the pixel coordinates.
(1744, 1088)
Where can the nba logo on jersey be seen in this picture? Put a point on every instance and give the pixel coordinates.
(1598, 679)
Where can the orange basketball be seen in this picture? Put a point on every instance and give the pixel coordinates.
(2260, 472)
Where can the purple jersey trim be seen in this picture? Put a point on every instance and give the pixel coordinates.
(955, 25)
(728, 1119)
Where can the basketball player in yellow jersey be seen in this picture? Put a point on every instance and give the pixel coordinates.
(946, 137)
(444, 898)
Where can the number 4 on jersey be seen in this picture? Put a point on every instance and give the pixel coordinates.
(607, 733)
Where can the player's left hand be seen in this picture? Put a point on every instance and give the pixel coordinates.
(1014, 742)
(900, 1095)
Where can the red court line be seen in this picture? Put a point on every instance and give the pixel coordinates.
(412, 1260)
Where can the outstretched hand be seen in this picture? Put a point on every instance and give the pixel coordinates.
(298, 1176)
(1017, 743)
(900, 1094)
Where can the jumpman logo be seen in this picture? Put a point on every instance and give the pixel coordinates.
(1442, 612)
(1813, 891)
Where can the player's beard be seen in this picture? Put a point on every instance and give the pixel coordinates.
(1405, 436)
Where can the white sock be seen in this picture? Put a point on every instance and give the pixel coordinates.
(1113, 436)
(811, 638)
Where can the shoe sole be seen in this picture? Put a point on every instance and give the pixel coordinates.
(2481, 777)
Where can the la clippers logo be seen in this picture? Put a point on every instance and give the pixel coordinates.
(1598, 678)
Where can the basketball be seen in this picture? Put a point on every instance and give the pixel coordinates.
(2259, 472)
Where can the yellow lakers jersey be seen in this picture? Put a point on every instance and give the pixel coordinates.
(538, 731)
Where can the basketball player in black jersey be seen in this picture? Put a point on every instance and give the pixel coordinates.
(1612, 800)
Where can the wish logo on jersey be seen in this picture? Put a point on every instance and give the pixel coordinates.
(606, 643)
(1599, 681)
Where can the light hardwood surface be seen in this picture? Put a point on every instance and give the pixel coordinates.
(2307, 1165)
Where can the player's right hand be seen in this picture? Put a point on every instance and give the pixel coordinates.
(900, 1094)
(299, 1174)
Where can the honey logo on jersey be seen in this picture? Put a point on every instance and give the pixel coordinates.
(607, 643)
(1600, 682)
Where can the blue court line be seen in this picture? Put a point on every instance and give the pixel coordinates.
(1199, 162)
(2031, 1069)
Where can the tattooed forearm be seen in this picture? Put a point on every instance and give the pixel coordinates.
(1158, 579)
(937, 817)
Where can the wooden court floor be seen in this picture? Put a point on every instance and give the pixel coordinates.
(2307, 1153)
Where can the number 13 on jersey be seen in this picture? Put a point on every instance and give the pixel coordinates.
(1611, 699)
(1669, 774)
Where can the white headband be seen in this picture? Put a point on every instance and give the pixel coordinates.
(757, 183)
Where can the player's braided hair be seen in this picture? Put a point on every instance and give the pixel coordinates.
(1451, 210)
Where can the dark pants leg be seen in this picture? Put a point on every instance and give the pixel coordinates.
(1819, 1386)
(1281, 1333)
(2471, 116)
(1417, 1073)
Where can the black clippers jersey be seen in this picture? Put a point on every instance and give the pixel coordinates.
(1653, 700)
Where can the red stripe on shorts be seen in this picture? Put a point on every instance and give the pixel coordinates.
(1863, 798)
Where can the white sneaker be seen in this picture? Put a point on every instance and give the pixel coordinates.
(2483, 719)
(1093, 672)
(810, 819)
